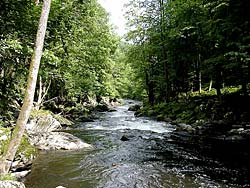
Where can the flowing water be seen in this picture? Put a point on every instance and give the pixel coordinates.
(146, 158)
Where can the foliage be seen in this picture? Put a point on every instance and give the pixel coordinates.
(186, 46)
(176, 48)
(8, 176)
(231, 108)
(78, 59)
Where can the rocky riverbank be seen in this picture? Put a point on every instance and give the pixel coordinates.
(219, 129)
(45, 131)
(224, 118)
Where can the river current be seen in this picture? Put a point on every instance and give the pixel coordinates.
(129, 152)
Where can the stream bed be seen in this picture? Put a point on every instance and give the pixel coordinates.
(130, 152)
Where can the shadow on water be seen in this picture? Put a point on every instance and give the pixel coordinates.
(147, 159)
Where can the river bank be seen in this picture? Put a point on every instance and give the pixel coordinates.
(44, 131)
(216, 127)
(224, 118)
(129, 152)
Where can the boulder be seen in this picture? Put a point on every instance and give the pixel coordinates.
(185, 127)
(20, 175)
(124, 138)
(167, 119)
(11, 184)
(112, 110)
(41, 134)
(57, 140)
(102, 108)
(134, 107)
(84, 118)
(22, 162)
(43, 123)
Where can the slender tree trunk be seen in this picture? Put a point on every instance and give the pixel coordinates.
(199, 73)
(218, 81)
(210, 85)
(243, 80)
(23, 117)
(42, 92)
(150, 85)
(164, 55)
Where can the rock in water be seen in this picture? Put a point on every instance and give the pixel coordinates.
(124, 138)
(134, 107)
(57, 140)
(102, 108)
(22, 174)
(41, 135)
(11, 184)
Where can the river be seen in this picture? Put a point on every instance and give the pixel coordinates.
(129, 152)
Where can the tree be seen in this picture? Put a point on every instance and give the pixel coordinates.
(192, 43)
(23, 117)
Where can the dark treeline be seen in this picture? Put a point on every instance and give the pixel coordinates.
(185, 46)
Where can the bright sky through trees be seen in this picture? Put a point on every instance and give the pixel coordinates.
(115, 9)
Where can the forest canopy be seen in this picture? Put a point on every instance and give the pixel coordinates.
(173, 48)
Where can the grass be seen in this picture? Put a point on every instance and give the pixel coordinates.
(7, 177)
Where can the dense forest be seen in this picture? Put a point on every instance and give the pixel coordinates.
(78, 59)
(175, 48)
(186, 48)
(185, 59)
(190, 46)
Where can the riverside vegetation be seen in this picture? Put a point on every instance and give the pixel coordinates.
(187, 60)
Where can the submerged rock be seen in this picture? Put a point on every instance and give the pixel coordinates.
(124, 138)
(11, 184)
(57, 140)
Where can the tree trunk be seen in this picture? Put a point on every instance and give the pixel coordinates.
(23, 117)
(210, 85)
(198, 73)
(218, 81)
(150, 87)
(164, 55)
(39, 98)
(243, 79)
(42, 92)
